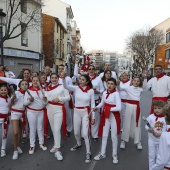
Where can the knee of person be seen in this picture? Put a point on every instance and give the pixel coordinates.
(114, 138)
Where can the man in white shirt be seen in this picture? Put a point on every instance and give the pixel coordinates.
(107, 67)
(8, 73)
(47, 72)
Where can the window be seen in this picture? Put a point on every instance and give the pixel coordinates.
(167, 37)
(24, 6)
(24, 35)
(168, 53)
(57, 47)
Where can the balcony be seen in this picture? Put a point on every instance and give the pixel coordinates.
(69, 40)
(69, 25)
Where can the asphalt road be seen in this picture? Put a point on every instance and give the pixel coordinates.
(129, 159)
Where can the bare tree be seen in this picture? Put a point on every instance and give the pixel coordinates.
(21, 15)
(143, 44)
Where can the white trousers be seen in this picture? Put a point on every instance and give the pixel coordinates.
(81, 120)
(55, 117)
(4, 141)
(129, 127)
(69, 119)
(152, 152)
(111, 122)
(95, 127)
(122, 113)
(36, 123)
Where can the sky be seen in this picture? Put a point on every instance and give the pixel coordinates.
(106, 24)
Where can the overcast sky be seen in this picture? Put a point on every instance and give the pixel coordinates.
(106, 24)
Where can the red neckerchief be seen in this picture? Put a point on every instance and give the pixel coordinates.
(86, 89)
(4, 97)
(35, 89)
(157, 116)
(125, 81)
(21, 91)
(49, 88)
(160, 76)
(60, 77)
(108, 93)
(93, 77)
(168, 130)
(44, 85)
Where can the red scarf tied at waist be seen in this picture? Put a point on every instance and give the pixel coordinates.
(23, 119)
(164, 99)
(159, 116)
(105, 115)
(137, 109)
(6, 123)
(64, 130)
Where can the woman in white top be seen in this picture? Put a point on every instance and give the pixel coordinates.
(132, 119)
(84, 100)
(18, 117)
(107, 74)
(35, 114)
(56, 111)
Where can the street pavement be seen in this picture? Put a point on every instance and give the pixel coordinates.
(129, 159)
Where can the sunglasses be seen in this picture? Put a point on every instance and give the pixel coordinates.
(91, 69)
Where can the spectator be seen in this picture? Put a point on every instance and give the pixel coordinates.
(9, 73)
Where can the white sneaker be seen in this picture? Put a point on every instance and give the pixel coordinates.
(115, 160)
(58, 155)
(99, 157)
(19, 150)
(43, 147)
(53, 150)
(31, 151)
(3, 153)
(139, 146)
(122, 145)
(15, 155)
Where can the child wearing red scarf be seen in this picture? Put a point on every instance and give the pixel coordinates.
(110, 118)
(158, 125)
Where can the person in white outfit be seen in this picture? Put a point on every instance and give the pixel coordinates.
(110, 119)
(9, 73)
(124, 83)
(18, 117)
(84, 101)
(4, 116)
(35, 113)
(107, 74)
(132, 120)
(163, 157)
(56, 111)
(157, 126)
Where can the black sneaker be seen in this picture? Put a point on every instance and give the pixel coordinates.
(95, 139)
(76, 147)
(82, 139)
(68, 134)
(88, 158)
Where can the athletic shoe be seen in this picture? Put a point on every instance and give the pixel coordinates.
(115, 160)
(95, 139)
(19, 150)
(122, 145)
(139, 146)
(15, 155)
(99, 157)
(24, 140)
(43, 147)
(31, 151)
(76, 147)
(88, 158)
(3, 153)
(58, 155)
(53, 150)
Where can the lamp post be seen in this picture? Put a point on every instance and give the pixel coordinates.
(2, 23)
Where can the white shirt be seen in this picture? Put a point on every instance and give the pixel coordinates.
(133, 93)
(123, 94)
(4, 106)
(163, 157)
(19, 101)
(113, 75)
(68, 80)
(9, 74)
(59, 92)
(155, 126)
(114, 98)
(161, 87)
(48, 79)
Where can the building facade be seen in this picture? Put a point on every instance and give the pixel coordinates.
(25, 50)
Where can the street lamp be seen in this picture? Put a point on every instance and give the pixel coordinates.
(2, 23)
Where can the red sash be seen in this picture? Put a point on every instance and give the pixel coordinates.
(70, 102)
(23, 119)
(164, 99)
(105, 115)
(84, 107)
(166, 167)
(124, 100)
(64, 130)
(6, 123)
(34, 109)
(137, 109)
